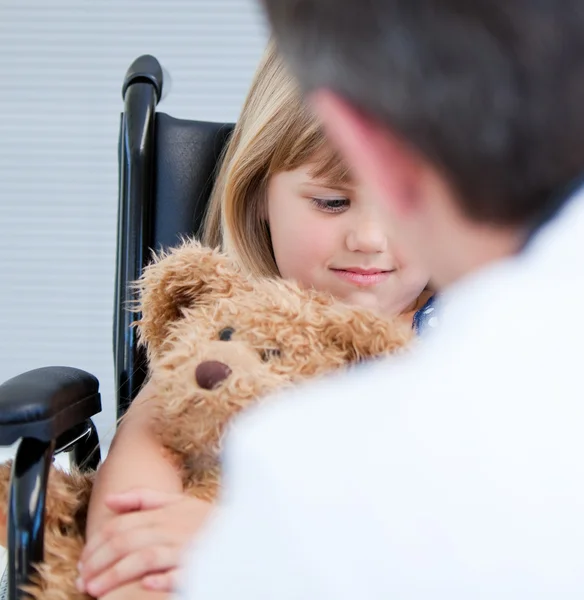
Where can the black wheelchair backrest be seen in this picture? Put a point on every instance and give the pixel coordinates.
(167, 168)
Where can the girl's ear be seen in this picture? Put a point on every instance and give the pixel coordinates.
(181, 278)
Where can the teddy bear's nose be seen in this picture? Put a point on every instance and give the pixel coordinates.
(211, 373)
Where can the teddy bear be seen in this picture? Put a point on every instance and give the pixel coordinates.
(217, 340)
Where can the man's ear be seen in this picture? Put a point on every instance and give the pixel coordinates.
(386, 165)
(181, 278)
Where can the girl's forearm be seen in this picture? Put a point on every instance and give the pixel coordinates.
(136, 459)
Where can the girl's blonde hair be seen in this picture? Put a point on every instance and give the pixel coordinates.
(276, 132)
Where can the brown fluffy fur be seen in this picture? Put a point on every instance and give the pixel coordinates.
(282, 335)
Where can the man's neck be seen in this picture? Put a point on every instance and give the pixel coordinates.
(476, 246)
(485, 244)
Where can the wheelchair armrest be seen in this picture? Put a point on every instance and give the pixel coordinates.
(45, 403)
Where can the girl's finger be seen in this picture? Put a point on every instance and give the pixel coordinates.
(120, 527)
(115, 550)
(162, 582)
(132, 568)
(140, 499)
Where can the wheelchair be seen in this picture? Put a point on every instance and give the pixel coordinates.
(167, 168)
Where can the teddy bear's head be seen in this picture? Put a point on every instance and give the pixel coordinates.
(219, 340)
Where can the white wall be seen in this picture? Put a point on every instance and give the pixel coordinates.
(61, 68)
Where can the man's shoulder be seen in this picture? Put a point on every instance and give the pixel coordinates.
(489, 344)
(303, 407)
(335, 414)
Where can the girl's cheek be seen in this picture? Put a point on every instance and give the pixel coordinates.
(316, 241)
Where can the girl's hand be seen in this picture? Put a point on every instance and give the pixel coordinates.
(144, 541)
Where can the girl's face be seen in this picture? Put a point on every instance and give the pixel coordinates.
(338, 239)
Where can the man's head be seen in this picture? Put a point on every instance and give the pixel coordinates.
(465, 116)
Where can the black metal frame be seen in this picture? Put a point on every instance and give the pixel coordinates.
(26, 508)
(49, 410)
(141, 91)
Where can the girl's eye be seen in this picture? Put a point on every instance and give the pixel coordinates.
(332, 205)
(226, 334)
(269, 353)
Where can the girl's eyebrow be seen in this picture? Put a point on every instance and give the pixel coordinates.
(331, 174)
(331, 183)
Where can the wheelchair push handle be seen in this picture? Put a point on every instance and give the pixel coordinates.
(145, 69)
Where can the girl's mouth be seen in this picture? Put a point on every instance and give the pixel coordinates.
(363, 277)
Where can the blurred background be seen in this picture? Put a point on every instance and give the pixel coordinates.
(61, 70)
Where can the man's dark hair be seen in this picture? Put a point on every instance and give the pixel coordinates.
(490, 91)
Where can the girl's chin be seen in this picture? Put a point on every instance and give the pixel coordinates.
(362, 299)
(382, 306)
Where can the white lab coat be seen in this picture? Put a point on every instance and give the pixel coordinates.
(455, 474)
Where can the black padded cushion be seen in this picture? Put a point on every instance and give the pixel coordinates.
(187, 156)
(45, 403)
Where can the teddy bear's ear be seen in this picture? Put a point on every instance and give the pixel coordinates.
(362, 335)
(179, 279)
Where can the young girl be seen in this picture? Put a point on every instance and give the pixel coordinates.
(284, 206)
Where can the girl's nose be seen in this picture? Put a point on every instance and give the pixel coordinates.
(367, 237)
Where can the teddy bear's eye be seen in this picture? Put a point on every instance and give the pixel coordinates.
(226, 334)
(268, 353)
